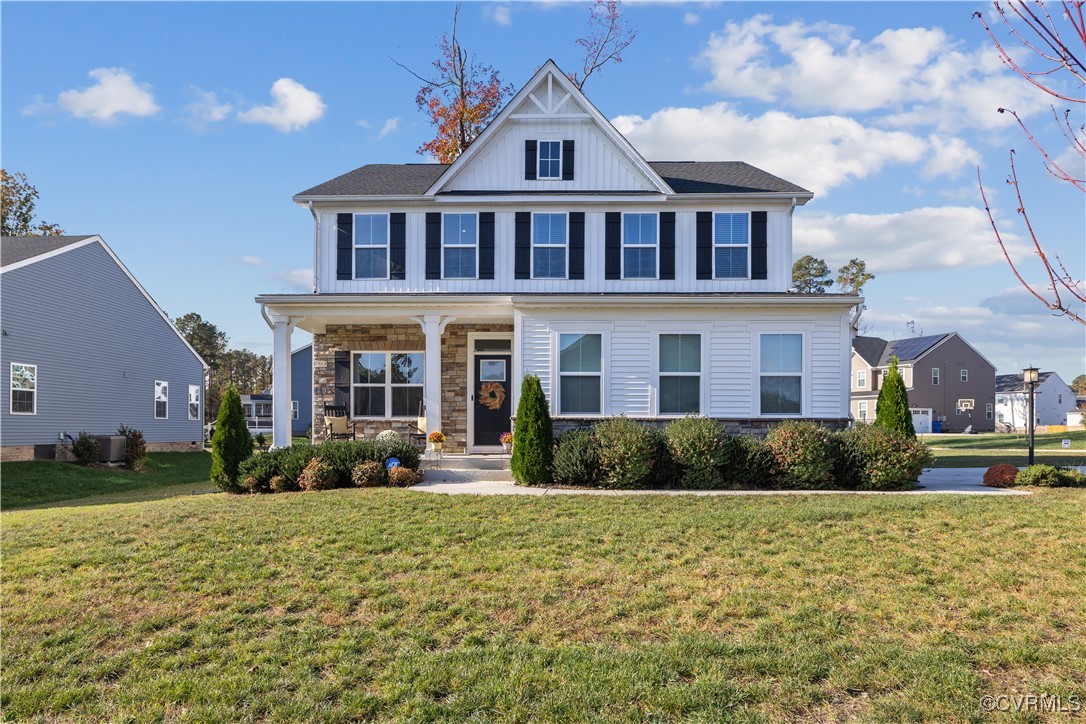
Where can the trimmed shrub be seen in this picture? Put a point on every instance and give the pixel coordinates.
(86, 448)
(369, 474)
(135, 447)
(577, 459)
(318, 475)
(892, 460)
(280, 484)
(231, 444)
(388, 435)
(343, 455)
(892, 407)
(398, 448)
(1049, 476)
(401, 477)
(255, 474)
(626, 453)
(533, 447)
(665, 473)
(291, 461)
(750, 463)
(802, 453)
(849, 462)
(696, 444)
(1000, 476)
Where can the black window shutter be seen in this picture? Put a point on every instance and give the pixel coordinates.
(397, 251)
(705, 245)
(567, 160)
(343, 380)
(667, 244)
(523, 265)
(612, 265)
(530, 160)
(344, 245)
(486, 245)
(759, 265)
(433, 245)
(576, 245)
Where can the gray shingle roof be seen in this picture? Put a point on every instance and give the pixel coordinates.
(1014, 383)
(869, 348)
(14, 249)
(684, 177)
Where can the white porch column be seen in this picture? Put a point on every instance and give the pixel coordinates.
(282, 326)
(433, 326)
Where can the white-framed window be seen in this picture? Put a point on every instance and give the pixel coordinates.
(965, 375)
(639, 241)
(680, 374)
(731, 246)
(194, 402)
(935, 376)
(861, 379)
(23, 385)
(549, 246)
(162, 400)
(580, 374)
(371, 246)
(861, 410)
(293, 409)
(460, 239)
(1002, 400)
(988, 411)
(386, 384)
(550, 160)
(781, 373)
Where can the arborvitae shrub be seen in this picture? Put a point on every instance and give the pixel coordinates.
(626, 453)
(892, 460)
(86, 448)
(231, 444)
(892, 407)
(577, 458)
(802, 453)
(1000, 476)
(697, 445)
(135, 447)
(533, 442)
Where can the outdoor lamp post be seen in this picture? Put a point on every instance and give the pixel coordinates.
(1029, 376)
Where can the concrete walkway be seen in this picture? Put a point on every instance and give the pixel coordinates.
(946, 481)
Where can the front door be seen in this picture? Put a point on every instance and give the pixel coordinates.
(492, 394)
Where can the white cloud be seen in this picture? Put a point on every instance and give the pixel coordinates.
(115, 93)
(251, 261)
(819, 153)
(300, 278)
(500, 13)
(691, 18)
(294, 108)
(363, 123)
(916, 76)
(206, 108)
(917, 240)
(388, 128)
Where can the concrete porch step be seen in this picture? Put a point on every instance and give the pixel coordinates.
(464, 462)
(443, 475)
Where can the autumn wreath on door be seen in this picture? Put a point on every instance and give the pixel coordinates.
(492, 395)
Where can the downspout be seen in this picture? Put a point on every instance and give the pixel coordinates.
(316, 248)
(264, 314)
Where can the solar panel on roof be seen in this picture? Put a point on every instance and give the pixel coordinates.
(907, 349)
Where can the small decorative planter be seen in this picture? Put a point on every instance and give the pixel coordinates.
(437, 439)
(506, 440)
(506, 447)
(436, 446)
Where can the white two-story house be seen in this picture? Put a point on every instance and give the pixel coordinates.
(551, 247)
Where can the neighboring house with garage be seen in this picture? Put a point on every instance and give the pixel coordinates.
(551, 247)
(951, 385)
(1053, 401)
(85, 347)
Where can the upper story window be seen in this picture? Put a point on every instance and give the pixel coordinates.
(781, 373)
(460, 238)
(24, 389)
(935, 375)
(680, 374)
(965, 375)
(550, 159)
(731, 246)
(386, 384)
(162, 400)
(639, 240)
(548, 246)
(371, 246)
(861, 379)
(580, 374)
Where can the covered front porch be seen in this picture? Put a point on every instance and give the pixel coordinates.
(447, 366)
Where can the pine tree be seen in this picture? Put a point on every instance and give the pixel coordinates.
(892, 407)
(533, 438)
(231, 444)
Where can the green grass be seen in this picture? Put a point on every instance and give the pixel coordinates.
(1006, 441)
(391, 604)
(24, 484)
(985, 450)
(982, 459)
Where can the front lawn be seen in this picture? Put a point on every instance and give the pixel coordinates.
(1052, 441)
(393, 604)
(38, 482)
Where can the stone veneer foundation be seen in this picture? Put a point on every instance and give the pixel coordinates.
(398, 338)
(757, 427)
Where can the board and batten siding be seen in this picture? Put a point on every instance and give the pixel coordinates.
(99, 346)
(779, 255)
(732, 375)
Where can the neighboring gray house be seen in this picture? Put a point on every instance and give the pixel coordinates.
(301, 390)
(1053, 400)
(85, 347)
(949, 382)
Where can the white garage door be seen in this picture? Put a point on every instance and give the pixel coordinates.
(921, 420)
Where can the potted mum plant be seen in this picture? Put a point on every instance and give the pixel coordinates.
(437, 439)
(506, 439)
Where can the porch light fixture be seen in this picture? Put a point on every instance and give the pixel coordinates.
(1029, 376)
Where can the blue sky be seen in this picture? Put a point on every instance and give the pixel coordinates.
(180, 131)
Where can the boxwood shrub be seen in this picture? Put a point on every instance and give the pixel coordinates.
(1049, 476)
(627, 451)
(285, 466)
(697, 445)
(802, 453)
(577, 459)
